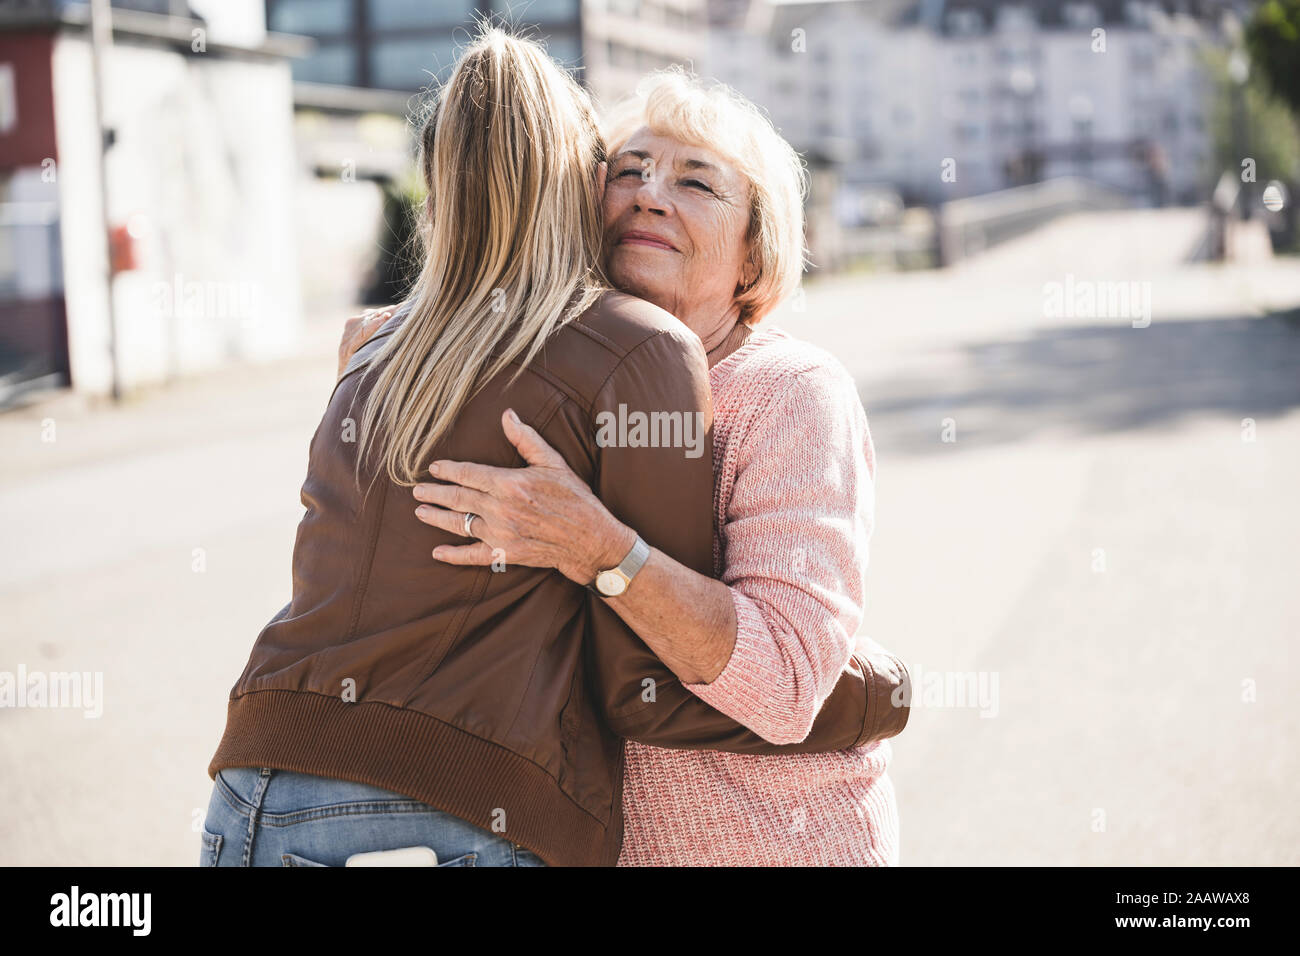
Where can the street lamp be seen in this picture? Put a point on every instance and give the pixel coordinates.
(1239, 73)
(1023, 83)
(1081, 113)
(101, 41)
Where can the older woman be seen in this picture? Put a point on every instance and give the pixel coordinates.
(703, 217)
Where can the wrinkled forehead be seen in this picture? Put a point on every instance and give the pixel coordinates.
(685, 152)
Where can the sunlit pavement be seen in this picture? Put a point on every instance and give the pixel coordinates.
(1099, 546)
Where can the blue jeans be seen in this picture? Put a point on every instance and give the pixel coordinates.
(265, 817)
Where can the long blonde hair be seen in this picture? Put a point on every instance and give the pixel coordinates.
(511, 235)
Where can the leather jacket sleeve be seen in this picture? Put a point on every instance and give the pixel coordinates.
(666, 495)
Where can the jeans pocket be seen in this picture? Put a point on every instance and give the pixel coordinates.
(524, 857)
(293, 859)
(211, 850)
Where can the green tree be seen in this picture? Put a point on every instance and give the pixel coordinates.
(1272, 135)
(399, 256)
(1273, 40)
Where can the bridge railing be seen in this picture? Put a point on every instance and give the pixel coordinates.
(968, 226)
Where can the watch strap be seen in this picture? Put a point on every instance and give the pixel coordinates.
(628, 567)
(636, 558)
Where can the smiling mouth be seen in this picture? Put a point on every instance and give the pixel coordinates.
(640, 239)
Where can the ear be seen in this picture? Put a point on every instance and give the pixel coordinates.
(749, 273)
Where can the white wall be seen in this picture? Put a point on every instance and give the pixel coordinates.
(239, 22)
(203, 169)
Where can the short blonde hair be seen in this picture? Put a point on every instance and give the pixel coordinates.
(707, 113)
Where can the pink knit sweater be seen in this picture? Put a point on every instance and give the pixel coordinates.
(793, 503)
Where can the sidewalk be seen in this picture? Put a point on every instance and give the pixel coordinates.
(151, 542)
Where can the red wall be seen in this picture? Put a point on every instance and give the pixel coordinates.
(32, 139)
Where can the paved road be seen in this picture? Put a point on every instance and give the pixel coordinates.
(1099, 540)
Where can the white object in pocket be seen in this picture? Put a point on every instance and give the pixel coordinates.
(403, 856)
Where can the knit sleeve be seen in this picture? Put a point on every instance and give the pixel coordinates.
(795, 544)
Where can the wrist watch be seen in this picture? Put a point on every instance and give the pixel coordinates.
(614, 581)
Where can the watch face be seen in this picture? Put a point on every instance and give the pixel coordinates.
(610, 583)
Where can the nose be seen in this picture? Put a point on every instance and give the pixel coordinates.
(649, 199)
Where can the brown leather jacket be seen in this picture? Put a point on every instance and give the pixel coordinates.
(498, 695)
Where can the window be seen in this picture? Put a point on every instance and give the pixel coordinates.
(566, 49)
(1015, 18)
(1138, 13)
(1081, 15)
(147, 6)
(411, 64)
(965, 22)
(8, 98)
(328, 63)
(310, 17)
(405, 44)
(531, 11)
(400, 14)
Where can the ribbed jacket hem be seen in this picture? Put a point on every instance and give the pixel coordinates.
(421, 757)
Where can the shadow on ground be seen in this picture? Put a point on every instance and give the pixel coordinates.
(1092, 379)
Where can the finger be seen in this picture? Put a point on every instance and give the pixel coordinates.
(453, 522)
(366, 320)
(452, 496)
(479, 553)
(486, 478)
(371, 325)
(528, 442)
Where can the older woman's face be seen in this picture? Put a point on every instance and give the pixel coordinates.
(676, 216)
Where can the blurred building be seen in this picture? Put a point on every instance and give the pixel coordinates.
(195, 183)
(355, 91)
(944, 99)
(404, 45)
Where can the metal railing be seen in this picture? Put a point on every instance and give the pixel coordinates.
(968, 226)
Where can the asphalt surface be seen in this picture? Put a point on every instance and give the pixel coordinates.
(1105, 551)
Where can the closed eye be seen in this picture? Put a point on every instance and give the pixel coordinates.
(697, 184)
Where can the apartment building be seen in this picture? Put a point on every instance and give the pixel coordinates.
(944, 99)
